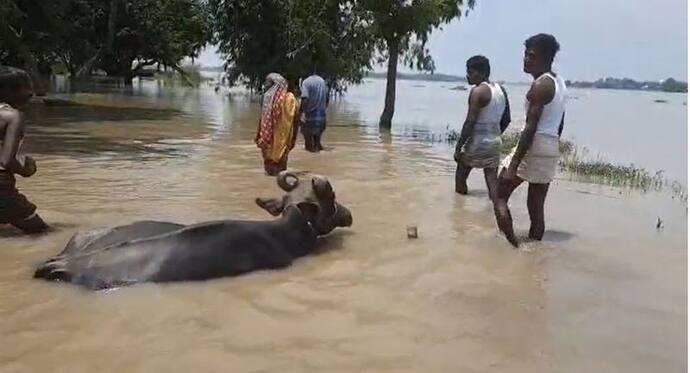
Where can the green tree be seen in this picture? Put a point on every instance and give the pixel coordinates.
(291, 37)
(140, 33)
(402, 28)
(27, 36)
(80, 35)
(119, 37)
(672, 85)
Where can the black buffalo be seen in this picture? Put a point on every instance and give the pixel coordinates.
(152, 251)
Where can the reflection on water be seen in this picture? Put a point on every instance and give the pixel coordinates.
(604, 292)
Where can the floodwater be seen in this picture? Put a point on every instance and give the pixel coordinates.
(604, 292)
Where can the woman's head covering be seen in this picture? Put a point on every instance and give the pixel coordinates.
(270, 108)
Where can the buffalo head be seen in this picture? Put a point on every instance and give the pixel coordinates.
(315, 198)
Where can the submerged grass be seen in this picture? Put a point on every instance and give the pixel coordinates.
(599, 171)
(192, 76)
(508, 141)
(579, 166)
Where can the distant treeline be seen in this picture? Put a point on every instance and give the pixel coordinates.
(424, 77)
(373, 75)
(217, 69)
(668, 85)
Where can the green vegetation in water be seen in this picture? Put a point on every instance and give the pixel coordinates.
(192, 76)
(430, 77)
(598, 171)
(509, 140)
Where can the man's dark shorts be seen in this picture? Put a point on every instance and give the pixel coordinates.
(14, 206)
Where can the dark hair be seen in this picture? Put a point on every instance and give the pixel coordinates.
(545, 43)
(13, 78)
(479, 63)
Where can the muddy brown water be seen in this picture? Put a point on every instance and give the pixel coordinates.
(604, 292)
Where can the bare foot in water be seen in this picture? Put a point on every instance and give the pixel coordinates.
(505, 222)
(461, 188)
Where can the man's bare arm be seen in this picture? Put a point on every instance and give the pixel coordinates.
(14, 129)
(539, 95)
(10, 143)
(479, 97)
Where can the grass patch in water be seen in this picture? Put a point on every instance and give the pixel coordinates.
(600, 171)
(192, 76)
(580, 167)
(508, 141)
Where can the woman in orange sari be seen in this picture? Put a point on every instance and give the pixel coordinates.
(277, 131)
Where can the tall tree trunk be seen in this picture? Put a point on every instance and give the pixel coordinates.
(86, 69)
(389, 108)
(127, 77)
(112, 24)
(184, 75)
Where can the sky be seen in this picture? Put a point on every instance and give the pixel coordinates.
(639, 39)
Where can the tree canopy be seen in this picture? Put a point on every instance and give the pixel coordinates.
(116, 36)
(341, 39)
(402, 28)
(291, 37)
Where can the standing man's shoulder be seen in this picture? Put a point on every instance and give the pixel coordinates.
(480, 94)
(542, 90)
(9, 114)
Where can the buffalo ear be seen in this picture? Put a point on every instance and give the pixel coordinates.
(273, 206)
(322, 188)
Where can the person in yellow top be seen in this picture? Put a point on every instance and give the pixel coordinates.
(277, 130)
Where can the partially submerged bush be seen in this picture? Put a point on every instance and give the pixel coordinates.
(582, 168)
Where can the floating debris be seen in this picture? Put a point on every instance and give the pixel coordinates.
(660, 101)
(412, 231)
(659, 223)
(459, 88)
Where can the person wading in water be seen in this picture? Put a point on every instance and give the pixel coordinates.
(314, 102)
(277, 130)
(488, 115)
(536, 156)
(15, 209)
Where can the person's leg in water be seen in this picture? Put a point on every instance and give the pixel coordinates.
(536, 196)
(270, 168)
(34, 224)
(313, 144)
(317, 143)
(322, 129)
(491, 178)
(309, 138)
(22, 214)
(501, 210)
(17, 210)
(461, 174)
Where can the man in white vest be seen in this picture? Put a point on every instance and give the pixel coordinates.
(536, 156)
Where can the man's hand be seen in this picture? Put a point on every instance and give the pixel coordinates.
(458, 153)
(508, 173)
(29, 168)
